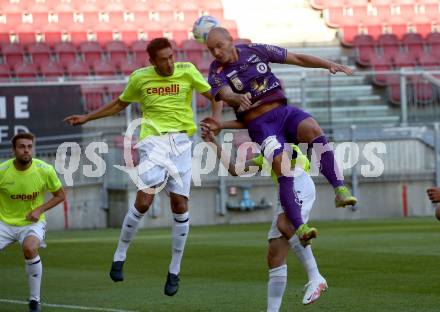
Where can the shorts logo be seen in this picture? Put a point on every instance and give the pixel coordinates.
(262, 68)
(25, 197)
(169, 90)
(237, 83)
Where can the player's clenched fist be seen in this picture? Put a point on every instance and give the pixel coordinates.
(335, 67)
(210, 124)
(75, 120)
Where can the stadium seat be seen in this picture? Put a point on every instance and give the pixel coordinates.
(165, 10)
(212, 7)
(428, 61)
(413, 42)
(93, 97)
(65, 13)
(117, 52)
(104, 68)
(190, 10)
(139, 49)
(389, 43)
(128, 32)
(394, 94)
(52, 34)
(423, 90)
(91, 52)
(66, 52)
(193, 50)
(364, 53)
(52, 71)
(380, 63)
(433, 41)
(128, 67)
(78, 69)
(26, 72)
(334, 17)
(26, 33)
(104, 33)
(115, 90)
(13, 54)
(40, 53)
(4, 73)
(404, 60)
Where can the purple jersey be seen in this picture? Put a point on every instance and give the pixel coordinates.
(251, 73)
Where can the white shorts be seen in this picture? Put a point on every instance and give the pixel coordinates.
(305, 188)
(10, 234)
(165, 162)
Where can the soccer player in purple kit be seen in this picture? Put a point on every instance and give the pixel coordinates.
(240, 75)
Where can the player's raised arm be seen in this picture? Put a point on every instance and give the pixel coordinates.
(305, 60)
(217, 106)
(109, 109)
(238, 169)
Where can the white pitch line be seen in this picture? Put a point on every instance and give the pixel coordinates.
(65, 306)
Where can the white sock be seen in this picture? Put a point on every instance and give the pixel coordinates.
(34, 270)
(128, 230)
(275, 287)
(180, 233)
(305, 256)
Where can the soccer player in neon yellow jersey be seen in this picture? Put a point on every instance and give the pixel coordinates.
(282, 235)
(164, 91)
(23, 183)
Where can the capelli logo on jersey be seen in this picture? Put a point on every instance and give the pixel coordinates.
(169, 90)
(26, 197)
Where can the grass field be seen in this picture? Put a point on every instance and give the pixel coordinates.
(387, 265)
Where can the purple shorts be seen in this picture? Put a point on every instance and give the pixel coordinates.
(280, 123)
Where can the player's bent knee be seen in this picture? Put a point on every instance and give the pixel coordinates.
(275, 256)
(142, 207)
(285, 226)
(30, 251)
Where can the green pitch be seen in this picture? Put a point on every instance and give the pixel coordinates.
(390, 265)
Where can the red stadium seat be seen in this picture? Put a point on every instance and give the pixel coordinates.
(117, 52)
(193, 50)
(433, 40)
(52, 71)
(78, 69)
(389, 45)
(13, 54)
(93, 97)
(40, 53)
(128, 67)
(380, 63)
(364, 54)
(413, 43)
(4, 72)
(212, 7)
(128, 32)
(65, 13)
(91, 51)
(139, 48)
(428, 61)
(404, 60)
(52, 34)
(399, 25)
(165, 10)
(78, 33)
(66, 52)
(363, 40)
(423, 91)
(26, 33)
(190, 10)
(394, 94)
(319, 4)
(115, 90)
(334, 17)
(104, 68)
(26, 72)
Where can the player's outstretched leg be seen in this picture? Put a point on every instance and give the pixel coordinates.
(128, 231)
(316, 284)
(180, 231)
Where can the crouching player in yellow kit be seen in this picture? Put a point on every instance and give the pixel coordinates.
(282, 235)
(23, 183)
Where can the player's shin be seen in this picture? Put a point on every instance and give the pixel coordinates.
(289, 201)
(34, 270)
(275, 287)
(128, 231)
(306, 257)
(180, 231)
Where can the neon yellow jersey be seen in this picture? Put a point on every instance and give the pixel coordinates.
(165, 101)
(23, 191)
(300, 161)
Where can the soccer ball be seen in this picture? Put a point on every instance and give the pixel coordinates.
(202, 26)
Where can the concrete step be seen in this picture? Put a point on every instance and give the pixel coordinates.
(321, 81)
(335, 92)
(350, 109)
(343, 102)
(388, 119)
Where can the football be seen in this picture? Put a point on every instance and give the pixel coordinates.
(202, 26)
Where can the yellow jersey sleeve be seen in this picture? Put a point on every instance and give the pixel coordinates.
(198, 81)
(131, 92)
(53, 182)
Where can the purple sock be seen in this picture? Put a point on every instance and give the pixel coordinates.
(328, 166)
(290, 201)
